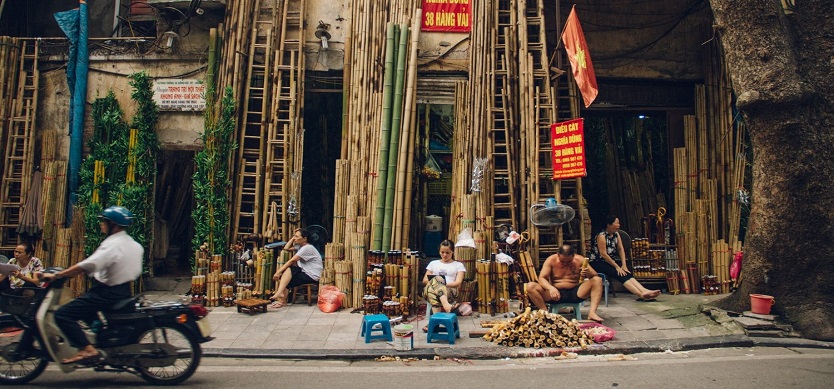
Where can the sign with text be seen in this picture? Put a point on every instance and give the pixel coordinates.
(171, 94)
(447, 15)
(568, 143)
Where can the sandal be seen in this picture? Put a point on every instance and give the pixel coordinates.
(278, 304)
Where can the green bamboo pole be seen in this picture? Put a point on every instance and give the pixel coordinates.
(410, 109)
(382, 170)
(396, 117)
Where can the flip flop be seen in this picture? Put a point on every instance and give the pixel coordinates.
(277, 304)
(642, 300)
(81, 358)
(598, 321)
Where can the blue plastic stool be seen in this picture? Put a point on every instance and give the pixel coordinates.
(555, 307)
(368, 323)
(443, 325)
(605, 286)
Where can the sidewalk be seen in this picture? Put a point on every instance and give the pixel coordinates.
(300, 331)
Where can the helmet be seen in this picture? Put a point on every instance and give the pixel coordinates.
(119, 215)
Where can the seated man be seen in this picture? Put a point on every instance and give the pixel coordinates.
(305, 267)
(559, 282)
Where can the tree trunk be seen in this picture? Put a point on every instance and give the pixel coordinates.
(781, 67)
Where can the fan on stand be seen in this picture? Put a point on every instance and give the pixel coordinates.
(318, 237)
(551, 214)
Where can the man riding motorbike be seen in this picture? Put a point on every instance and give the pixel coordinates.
(116, 262)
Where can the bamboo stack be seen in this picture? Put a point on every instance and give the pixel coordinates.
(344, 281)
(527, 267)
(539, 329)
(486, 287)
(342, 178)
(502, 287)
(467, 256)
(392, 276)
(332, 252)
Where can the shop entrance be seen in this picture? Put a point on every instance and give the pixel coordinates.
(173, 225)
(322, 147)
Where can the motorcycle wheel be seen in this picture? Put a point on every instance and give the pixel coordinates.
(15, 368)
(188, 350)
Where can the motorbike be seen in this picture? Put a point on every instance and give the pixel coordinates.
(159, 342)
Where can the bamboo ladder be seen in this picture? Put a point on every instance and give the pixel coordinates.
(503, 136)
(20, 142)
(285, 139)
(247, 206)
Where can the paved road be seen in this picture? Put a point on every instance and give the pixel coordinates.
(732, 367)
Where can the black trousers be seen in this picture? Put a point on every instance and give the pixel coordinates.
(86, 307)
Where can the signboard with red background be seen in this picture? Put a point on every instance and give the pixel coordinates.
(447, 16)
(568, 142)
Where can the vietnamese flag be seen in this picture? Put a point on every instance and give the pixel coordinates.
(580, 59)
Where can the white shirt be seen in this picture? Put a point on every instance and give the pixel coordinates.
(448, 270)
(117, 260)
(310, 261)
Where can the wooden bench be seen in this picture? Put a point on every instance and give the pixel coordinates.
(252, 306)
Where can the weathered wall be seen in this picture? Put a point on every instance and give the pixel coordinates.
(437, 51)
(176, 130)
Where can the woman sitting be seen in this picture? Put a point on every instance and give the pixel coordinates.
(607, 250)
(29, 265)
(443, 277)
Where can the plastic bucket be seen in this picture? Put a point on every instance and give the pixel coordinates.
(761, 303)
(403, 337)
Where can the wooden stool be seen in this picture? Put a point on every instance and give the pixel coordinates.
(252, 306)
(309, 294)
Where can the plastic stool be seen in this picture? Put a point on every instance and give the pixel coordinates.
(605, 286)
(445, 325)
(368, 324)
(555, 307)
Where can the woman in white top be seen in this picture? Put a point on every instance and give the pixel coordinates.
(443, 277)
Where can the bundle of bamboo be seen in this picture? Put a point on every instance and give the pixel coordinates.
(539, 329)
(343, 281)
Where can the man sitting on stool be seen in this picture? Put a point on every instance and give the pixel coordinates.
(559, 282)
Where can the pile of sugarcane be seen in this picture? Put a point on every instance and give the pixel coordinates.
(539, 329)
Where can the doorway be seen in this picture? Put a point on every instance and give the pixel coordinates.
(173, 225)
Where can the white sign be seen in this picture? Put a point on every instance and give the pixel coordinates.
(173, 94)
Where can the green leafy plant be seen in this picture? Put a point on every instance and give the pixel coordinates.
(211, 179)
(111, 145)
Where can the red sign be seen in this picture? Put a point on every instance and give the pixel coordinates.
(567, 140)
(447, 15)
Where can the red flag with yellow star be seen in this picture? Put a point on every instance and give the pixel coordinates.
(580, 59)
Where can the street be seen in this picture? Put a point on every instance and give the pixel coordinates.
(729, 367)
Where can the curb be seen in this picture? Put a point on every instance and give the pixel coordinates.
(632, 347)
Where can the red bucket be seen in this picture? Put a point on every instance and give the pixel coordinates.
(761, 303)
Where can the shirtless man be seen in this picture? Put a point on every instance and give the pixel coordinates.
(559, 282)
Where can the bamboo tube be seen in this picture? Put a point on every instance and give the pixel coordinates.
(387, 230)
(387, 101)
(343, 281)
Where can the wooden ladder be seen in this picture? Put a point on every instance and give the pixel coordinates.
(284, 146)
(20, 143)
(251, 141)
(503, 140)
